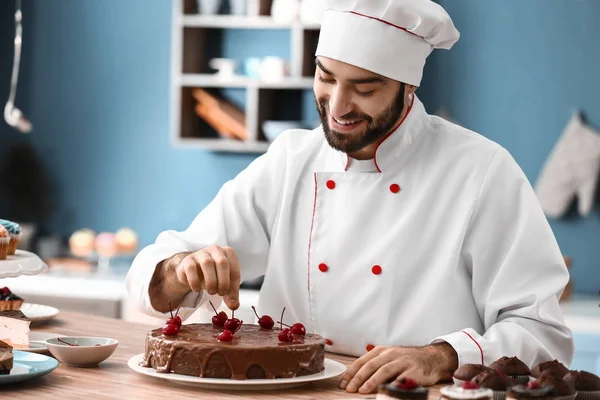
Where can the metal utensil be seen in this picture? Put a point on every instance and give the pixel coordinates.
(12, 115)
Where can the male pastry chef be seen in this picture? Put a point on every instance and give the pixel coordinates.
(404, 240)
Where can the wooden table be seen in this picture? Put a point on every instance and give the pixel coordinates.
(113, 379)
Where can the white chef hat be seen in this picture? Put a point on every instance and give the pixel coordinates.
(392, 38)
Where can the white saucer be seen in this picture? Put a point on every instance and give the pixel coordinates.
(332, 369)
(38, 312)
(37, 341)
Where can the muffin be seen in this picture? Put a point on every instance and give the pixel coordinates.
(81, 242)
(9, 300)
(467, 372)
(14, 232)
(561, 389)
(586, 384)
(549, 367)
(534, 390)
(514, 368)
(466, 391)
(4, 242)
(403, 389)
(127, 241)
(495, 380)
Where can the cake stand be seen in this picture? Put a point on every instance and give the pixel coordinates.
(22, 263)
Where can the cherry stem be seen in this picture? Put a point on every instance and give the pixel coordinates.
(255, 312)
(177, 311)
(211, 304)
(281, 323)
(232, 314)
(70, 344)
(170, 310)
(239, 326)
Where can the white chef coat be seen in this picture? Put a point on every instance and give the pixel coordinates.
(438, 238)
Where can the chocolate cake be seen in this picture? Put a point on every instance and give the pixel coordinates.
(254, 353)
(549, 367)
(6, 358)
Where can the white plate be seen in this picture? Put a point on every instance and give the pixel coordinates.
(22, 263)
(37, 341)
(332, 369)
(38, 312)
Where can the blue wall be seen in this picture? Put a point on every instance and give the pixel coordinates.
(517, 74)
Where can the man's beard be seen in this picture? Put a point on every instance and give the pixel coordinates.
(377, 127)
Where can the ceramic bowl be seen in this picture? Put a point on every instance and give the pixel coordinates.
(82, 351)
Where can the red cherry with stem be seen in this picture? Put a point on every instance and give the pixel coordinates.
(533, 385)
(285, 335)
(175, 320)
(469, 385)
(220, 318)
(225, 336)
(265, 321)
(170, 329)
(406, 384)
(281, 321)
(232, 323)
(239, 326)
(298, 329)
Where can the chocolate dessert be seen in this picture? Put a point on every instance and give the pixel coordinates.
(6, 358)
(469, 371)
(560, 387)
(402, 389)
(513, 367)
(549, 367)
(252, 353)
(534, 390)
(583, 381)
(493, 379)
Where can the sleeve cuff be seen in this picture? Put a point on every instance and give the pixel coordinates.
(466, 344)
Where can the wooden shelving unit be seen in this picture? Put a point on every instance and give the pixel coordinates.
(194, 39)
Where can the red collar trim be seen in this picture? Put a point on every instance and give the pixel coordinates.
(392, 131)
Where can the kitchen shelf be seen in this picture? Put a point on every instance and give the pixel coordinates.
(196, 39)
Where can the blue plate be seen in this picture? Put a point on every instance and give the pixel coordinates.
(28, 366)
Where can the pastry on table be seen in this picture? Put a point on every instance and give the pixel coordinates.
(4, 242)
(467, 372)
(533, 390)
(404, 388)
(561, 389)
(466, 391)
(495, 380)
(514, 368)
(9, 300)
(81, 242)
(553, 367)
(127, 241)
(14, 329)
(586, 384)
(6, 358)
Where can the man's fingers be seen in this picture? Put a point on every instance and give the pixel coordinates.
(358, 364)
(367, 370)
(222, 269)
(233, 293)
(188, 272)
(209, 274)
(383, 374)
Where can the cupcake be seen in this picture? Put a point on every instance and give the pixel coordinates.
(495, 380)
(466, 391)
(106, 245)
(9, 300)
(14, 232)
(81, 242)
(467, 372)
(561, 389)
(4, 242)
(586, 384)
(403, 389)
(127, 241)
(514, 368)
(534, 390)
(549, 367)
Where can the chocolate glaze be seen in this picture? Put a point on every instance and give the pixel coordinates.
(17, 314)
(254, 353)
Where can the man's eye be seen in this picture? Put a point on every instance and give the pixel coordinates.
(322, 79)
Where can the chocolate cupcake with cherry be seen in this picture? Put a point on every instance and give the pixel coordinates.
(466, 391)
(404, 388)
(512, 367)
(495, 380)
(586, 384)
(549, 367)
(561, 389)
(467, 372)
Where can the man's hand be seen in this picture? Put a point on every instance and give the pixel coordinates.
(214, 269)
(425, 365)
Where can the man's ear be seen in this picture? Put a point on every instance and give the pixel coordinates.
(410, 89)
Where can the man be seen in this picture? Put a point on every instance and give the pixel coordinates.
(403, 239)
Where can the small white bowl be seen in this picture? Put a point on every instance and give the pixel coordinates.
(87, 352)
